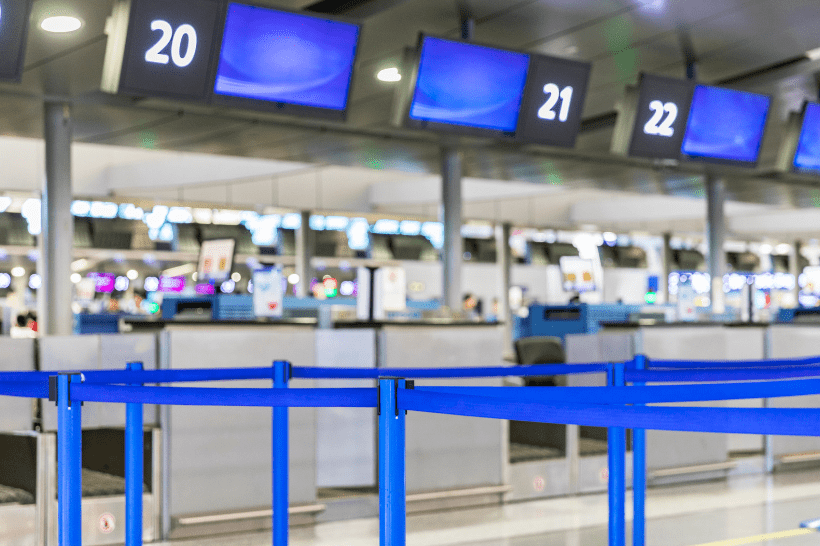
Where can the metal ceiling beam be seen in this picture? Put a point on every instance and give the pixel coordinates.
(356, 9)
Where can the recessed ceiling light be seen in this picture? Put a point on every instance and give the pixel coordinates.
(61, 24)
(389, 75)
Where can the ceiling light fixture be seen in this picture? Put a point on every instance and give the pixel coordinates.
(61, 24)
(389, 75)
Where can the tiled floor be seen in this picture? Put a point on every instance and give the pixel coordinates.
(677, 516)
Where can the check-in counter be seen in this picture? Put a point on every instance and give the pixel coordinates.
(794, 341)
(103, 437)
(23, 495)
(673, 455)
(217, 464)
(444, 452)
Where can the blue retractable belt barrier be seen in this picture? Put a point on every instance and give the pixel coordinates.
(704, 375)
(448, 373)
(787, 422)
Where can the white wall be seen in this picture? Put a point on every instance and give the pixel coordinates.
(627, 284)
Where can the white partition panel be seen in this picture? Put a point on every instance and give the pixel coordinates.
(16, 414)
(345, 437)
(443, 451)
(794, 341)
(220, 458)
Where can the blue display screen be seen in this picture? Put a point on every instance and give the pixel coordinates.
(807, 156)
(285, 57)
(725, 124)
(467, 84)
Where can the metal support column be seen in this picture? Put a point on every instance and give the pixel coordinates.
(134, 459)
(69, 459)
(453, 251)
(281, 376)
(57, 236)
(304, 253)
(639, 473)
(504, 254)
(716, 235)
(616, 456)
(668, 260)
(795, 270)
(392, 490)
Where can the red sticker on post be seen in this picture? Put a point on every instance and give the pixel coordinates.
(107, 523)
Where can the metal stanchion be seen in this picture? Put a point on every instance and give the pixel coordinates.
(639, 474)
(134, 454)
(392, 501)
(616, 455)
(281, 377)
(69, 459)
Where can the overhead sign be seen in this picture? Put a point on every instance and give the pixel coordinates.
(474, 89)
(660, 117)
(14, 19)
(161, 48)
(553, 101)
(234, 54)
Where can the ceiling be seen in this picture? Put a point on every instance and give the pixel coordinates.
(152, 149)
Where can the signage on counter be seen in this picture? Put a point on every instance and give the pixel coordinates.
(268, 293)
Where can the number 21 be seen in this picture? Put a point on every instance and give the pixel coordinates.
(554, 93)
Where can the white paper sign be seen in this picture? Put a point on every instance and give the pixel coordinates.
(267, 293)
(393, 288)
(215, 260)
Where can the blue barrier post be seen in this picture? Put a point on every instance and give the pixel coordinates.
(134, 453)
(69, 459)
(616, 454)
(392, 509)
(639, 474)
(281, 376)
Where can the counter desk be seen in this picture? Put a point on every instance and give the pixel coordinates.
(672, 456)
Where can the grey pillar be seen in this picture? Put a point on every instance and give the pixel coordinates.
(57, 237)
(304, 252)
(794, 269)
(504, 260)
(716, 235)
(453, 251)
(668, 260)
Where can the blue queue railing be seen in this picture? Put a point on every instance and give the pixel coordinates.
(614, 407)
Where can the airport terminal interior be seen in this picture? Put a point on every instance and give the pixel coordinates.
(617, 192)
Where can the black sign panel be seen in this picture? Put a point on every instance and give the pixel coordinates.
(660, 120)
(553, 101)
(14, 17)
(169, 48)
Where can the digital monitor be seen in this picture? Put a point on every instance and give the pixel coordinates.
(289, 62)
(463, 84)
(215, 262)
(14, 19)
(161, 48)
(577, 274)
(725, 125)
(103, 282)
(807, 156)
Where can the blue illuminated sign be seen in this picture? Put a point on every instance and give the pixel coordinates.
(725, 125)
(286, 58)
(807, 157)
(467, 84)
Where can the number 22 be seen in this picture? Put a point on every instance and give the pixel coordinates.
(654, 125)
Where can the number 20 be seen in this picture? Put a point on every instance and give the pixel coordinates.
(547, 110)
(654, 126)
(155, 54)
